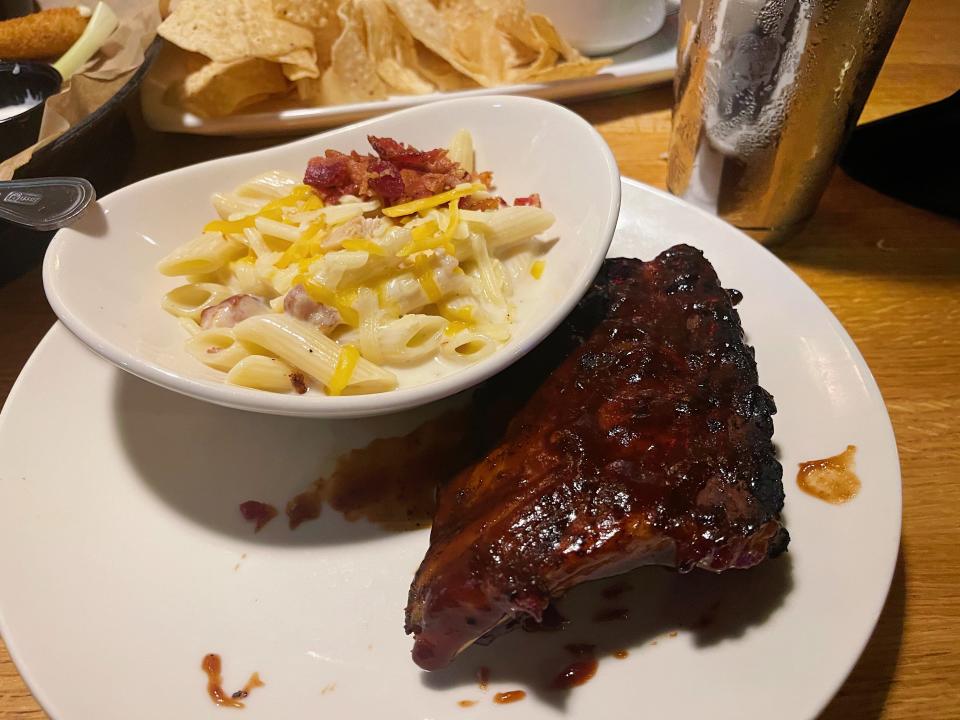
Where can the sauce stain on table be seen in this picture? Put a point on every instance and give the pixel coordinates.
(211, 666)
(511, 696)
(831, 479)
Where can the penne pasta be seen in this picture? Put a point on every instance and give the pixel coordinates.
(218, 348)
(303, 346)
(460, 150)
(467, 345)
(490, 279)
(381, 263)
(262, 372)
(368, 310)
(411, 339)
(277, 229)
(510, 225)
(206, 253)
(189, 301)
(268, 186)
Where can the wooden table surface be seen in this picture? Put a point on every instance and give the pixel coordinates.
(891, 274)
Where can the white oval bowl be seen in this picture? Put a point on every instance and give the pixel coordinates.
(100, 276)
(603, 27)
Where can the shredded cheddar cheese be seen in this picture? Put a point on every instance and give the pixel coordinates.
(343, 371)
(426, 237)
(363, 245)
(273, 210)
(428, 283)
(408, 208)
(463, 314)
(453, 327)
(342, 301)
(452, 222)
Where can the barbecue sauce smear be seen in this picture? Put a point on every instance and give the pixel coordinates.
(511, 696)
(211, 666)
(831, 479)
(581, 670)
(392, 481)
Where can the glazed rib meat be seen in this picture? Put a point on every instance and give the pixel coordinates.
(648, 443)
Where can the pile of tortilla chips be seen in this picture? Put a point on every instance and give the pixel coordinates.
(240, 52)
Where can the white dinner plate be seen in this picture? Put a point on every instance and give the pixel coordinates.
(648, 63)
(101, 277)
(124, 559)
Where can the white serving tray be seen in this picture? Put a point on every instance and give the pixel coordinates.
(647, 63)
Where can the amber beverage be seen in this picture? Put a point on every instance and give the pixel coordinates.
(766, 94)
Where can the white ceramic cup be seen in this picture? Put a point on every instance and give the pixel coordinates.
(601, 27)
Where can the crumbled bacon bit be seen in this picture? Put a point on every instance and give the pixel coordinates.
(299, 382)
(257, 512)
(298, 303)
(533, 199)
(397, 173)
(407, 156)
(469, 202)
(231, 311)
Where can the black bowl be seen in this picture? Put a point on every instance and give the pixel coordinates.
(20, 81)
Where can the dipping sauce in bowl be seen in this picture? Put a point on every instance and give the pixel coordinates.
(8, 111)
(24, 86)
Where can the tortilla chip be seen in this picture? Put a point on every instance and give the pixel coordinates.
(230, 30)
(344, 51)
(493, 42)
(216, 89)
(438, 71)
(317, 16)
(374, 57)
(352, 75)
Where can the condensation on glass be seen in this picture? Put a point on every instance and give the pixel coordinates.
(766, 93)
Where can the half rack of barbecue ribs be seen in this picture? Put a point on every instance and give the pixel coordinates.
(649, 443)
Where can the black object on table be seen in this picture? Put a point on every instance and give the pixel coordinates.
(913, 156)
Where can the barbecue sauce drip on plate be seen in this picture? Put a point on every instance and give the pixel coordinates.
(259, 513)
(511, 696)
(831, 479)
(211, 666)
(612, 615)
(483, 678)
(580, 671)
(392, 481)
(303, 507)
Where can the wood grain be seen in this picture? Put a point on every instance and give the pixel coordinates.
(891, 274)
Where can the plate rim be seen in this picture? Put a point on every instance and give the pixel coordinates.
(855, 650)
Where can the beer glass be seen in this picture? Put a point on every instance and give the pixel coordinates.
(766, 94)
